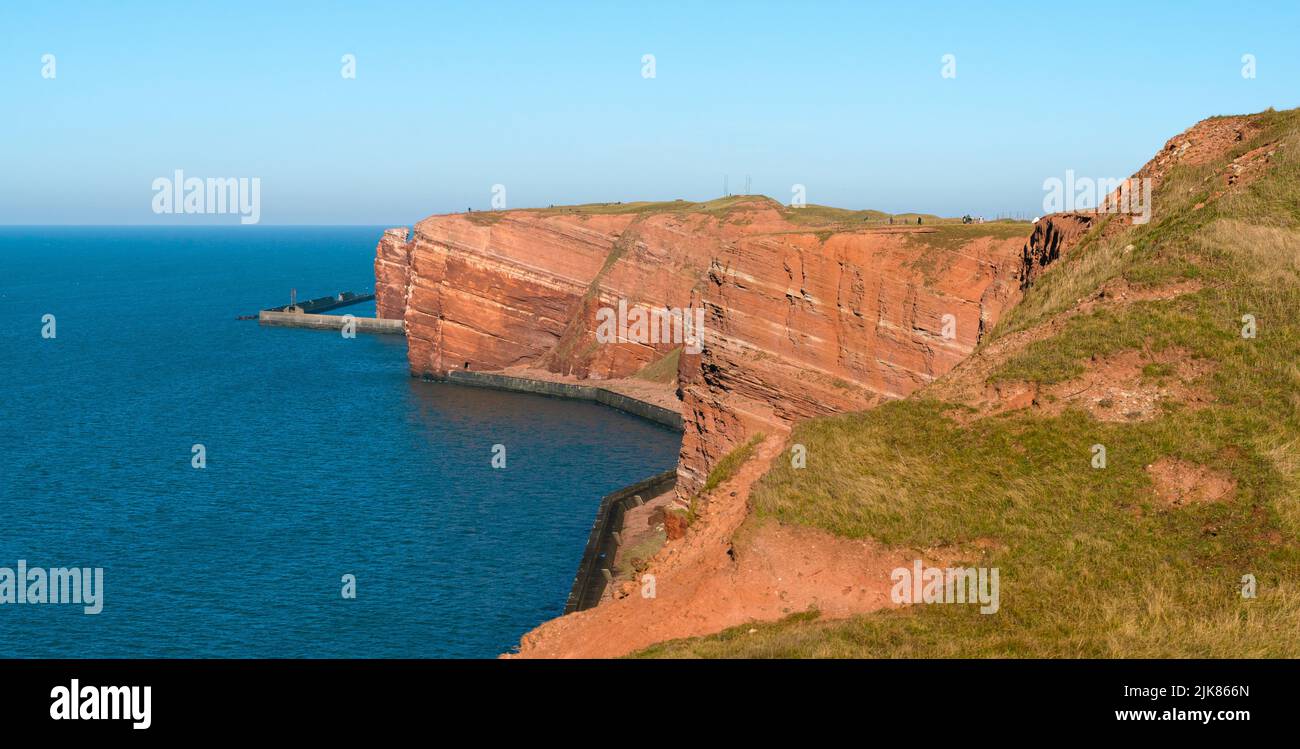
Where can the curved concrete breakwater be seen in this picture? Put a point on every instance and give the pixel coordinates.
(603, 543)
(620, 401)
(593, 574)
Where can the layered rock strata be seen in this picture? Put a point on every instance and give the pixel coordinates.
(803, 315)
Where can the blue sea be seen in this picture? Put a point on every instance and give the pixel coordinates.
(324, 458)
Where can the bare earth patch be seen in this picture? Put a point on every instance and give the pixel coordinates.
(1118, 292)
(713, 579)
(968, 381)
(1178, 482)
(1126, 386)
(1122, 387)
(974, 552)
(1243, 170)
(1200, 144)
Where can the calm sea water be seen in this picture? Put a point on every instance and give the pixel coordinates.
(324, 458)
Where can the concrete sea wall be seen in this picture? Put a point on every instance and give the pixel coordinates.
(658, 414)
(329, 322)
(602, 546)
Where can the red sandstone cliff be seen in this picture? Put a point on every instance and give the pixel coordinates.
(806, 313)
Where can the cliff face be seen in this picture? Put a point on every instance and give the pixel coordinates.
(488, 291)
(392, 274)
(809, 324)
(804, 313)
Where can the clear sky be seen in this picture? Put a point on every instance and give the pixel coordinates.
(549, 100)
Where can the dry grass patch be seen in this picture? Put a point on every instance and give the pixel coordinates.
(1265, 254)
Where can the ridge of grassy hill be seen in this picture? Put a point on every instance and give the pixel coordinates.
(1146, 557)
(810, 215)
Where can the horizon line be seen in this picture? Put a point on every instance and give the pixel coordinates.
(183, 226)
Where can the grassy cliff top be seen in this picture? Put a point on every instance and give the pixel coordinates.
(1094, 561)
(810, 216)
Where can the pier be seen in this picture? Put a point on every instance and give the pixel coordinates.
(330, 322)
(307, 314)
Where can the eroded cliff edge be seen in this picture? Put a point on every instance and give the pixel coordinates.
(808, 311)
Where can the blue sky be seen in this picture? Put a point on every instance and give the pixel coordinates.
(548, 99)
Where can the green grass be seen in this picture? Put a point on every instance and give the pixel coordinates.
(808, 215)
(938, 245)
(663, 370)
(825, 215)
(730, 463)
(721, 473)
(826, 219)
(485, 218)
(718, 207)
(1091, 563)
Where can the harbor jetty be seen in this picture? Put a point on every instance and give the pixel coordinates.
(308, 314)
